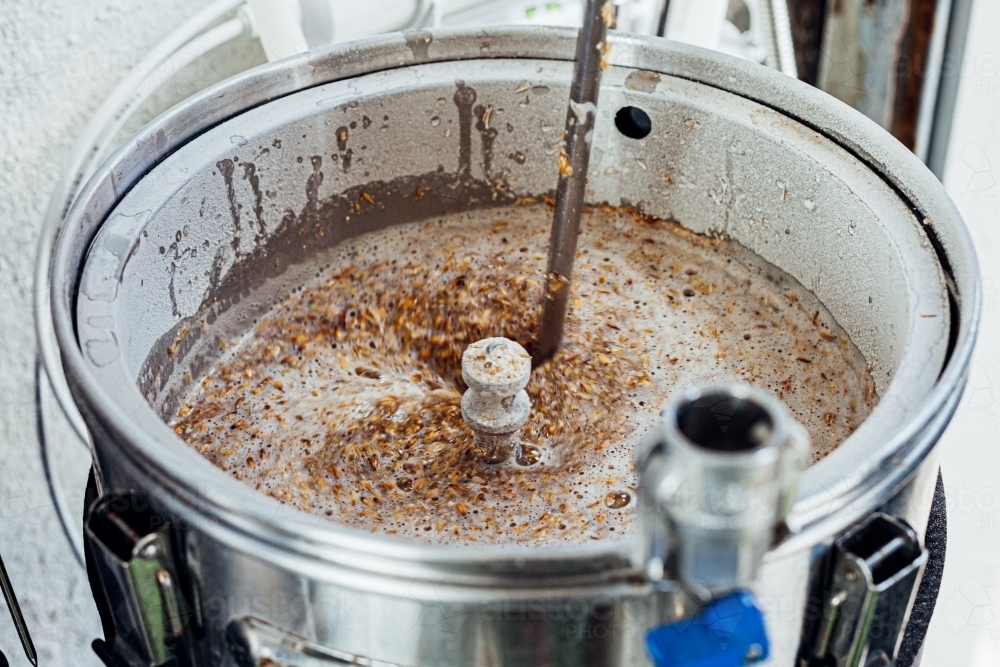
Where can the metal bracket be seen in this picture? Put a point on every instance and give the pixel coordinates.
(877, 569)
(128, 547)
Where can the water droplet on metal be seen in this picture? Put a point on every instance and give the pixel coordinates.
(617, 499)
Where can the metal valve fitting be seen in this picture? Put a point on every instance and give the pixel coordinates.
(715, 486)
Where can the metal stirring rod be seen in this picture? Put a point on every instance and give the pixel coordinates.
(17, 616)
(574, 160)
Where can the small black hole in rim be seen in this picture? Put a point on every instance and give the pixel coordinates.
(633, 122)
(722, 422)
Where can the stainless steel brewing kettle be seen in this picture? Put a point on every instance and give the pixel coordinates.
(193, 566)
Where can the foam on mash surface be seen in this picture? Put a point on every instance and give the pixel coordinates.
(345, 399)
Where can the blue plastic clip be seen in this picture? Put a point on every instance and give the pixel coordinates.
(728, 632)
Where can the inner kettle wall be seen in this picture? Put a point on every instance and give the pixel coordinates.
(715, 162)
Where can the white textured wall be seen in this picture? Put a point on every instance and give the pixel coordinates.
(966, 625)
(58, 60)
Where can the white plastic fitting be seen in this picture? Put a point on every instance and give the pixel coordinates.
(496, 405)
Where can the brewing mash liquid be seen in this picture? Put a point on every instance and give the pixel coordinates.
(345, 399)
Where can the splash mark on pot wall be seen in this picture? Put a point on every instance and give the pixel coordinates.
(346, 154)
(172, 290)
(218, 264)
(464, 98)
(309, 212)
(226, 168)
(642, 81)
(487, 135)
(178, 256)
(418, 42)
(250, 174)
